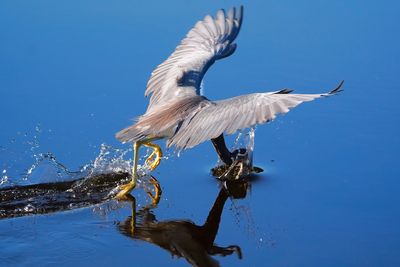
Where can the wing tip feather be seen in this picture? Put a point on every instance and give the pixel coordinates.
(285, 91)
(338, 89)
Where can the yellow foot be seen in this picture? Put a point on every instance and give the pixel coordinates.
(125, 190)
(154, 160)
(150, 158)
(155, 156)
(155, 163)
(157, 191)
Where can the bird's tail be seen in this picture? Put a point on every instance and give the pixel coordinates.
(132, 133)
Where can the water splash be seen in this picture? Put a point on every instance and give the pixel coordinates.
(48, 186)
(242, 155)
(25, 148)
(47, 169)
(245, 139)
(4, 177)
(109, 160)
(16, 154)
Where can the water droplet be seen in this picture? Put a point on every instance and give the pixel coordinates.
(4, 179)
(29, 208)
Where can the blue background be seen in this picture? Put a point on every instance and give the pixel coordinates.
(72, 73)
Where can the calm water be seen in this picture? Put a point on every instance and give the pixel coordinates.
(74, 73)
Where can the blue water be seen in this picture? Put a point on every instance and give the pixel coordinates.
(73, 73)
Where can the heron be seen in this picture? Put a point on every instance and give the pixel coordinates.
(178, 112)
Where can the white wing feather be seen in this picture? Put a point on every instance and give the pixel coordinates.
(181, 74)
(230, 115)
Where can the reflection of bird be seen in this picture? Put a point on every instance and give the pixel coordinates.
(182, 237)
(177, 111)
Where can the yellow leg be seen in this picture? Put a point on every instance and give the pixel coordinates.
(127, 188)
(151, 157)
(156, 152)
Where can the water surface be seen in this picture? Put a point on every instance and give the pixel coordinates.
(73, 74)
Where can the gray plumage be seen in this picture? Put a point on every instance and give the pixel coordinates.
(178, 112)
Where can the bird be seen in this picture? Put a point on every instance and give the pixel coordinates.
(178, 112)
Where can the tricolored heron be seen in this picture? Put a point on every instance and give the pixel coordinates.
(179, 113)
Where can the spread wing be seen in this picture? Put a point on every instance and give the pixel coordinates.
(236, 113)
(181, 74)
